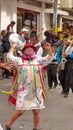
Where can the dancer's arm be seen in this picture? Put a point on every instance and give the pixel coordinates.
(8, 66)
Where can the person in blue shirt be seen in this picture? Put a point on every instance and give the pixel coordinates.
(60, 56)
(68, 70)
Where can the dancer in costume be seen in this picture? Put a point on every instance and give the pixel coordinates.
(30, 93)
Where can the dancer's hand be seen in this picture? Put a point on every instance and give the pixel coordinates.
(9, 66)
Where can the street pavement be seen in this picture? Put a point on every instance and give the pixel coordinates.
(58, 114)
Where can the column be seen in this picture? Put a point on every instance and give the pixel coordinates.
(8, 12)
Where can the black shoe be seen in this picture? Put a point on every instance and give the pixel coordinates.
(62, 92)
(55, 85)
(7, 128)
(34, 129)
(65, 95)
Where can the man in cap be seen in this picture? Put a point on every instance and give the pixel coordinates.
(23, 35)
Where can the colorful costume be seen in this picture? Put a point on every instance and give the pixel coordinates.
(30, 86)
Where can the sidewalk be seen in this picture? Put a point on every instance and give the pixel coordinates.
(58, 114)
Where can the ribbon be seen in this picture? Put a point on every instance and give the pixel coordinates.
(14, 85)
(36, 78)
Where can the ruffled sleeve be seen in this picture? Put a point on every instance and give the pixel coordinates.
(14, 59)
(45, 60)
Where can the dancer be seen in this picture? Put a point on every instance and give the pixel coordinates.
(31, 96)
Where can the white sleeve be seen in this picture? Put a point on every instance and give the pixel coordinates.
(45, 60)
(11, 58)
(69, 50)
(40, 52)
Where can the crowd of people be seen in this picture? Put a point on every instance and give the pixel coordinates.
(32, 59)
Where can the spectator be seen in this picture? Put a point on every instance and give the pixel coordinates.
(3, 33)
(6, 47)
(10, 27)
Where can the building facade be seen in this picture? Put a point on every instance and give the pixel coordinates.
(67, 6)
(29, 13)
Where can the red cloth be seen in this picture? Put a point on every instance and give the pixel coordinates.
(12, 99)
(45, 67)
(9, 28)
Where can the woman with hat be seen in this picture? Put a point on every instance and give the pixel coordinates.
(31, 95)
